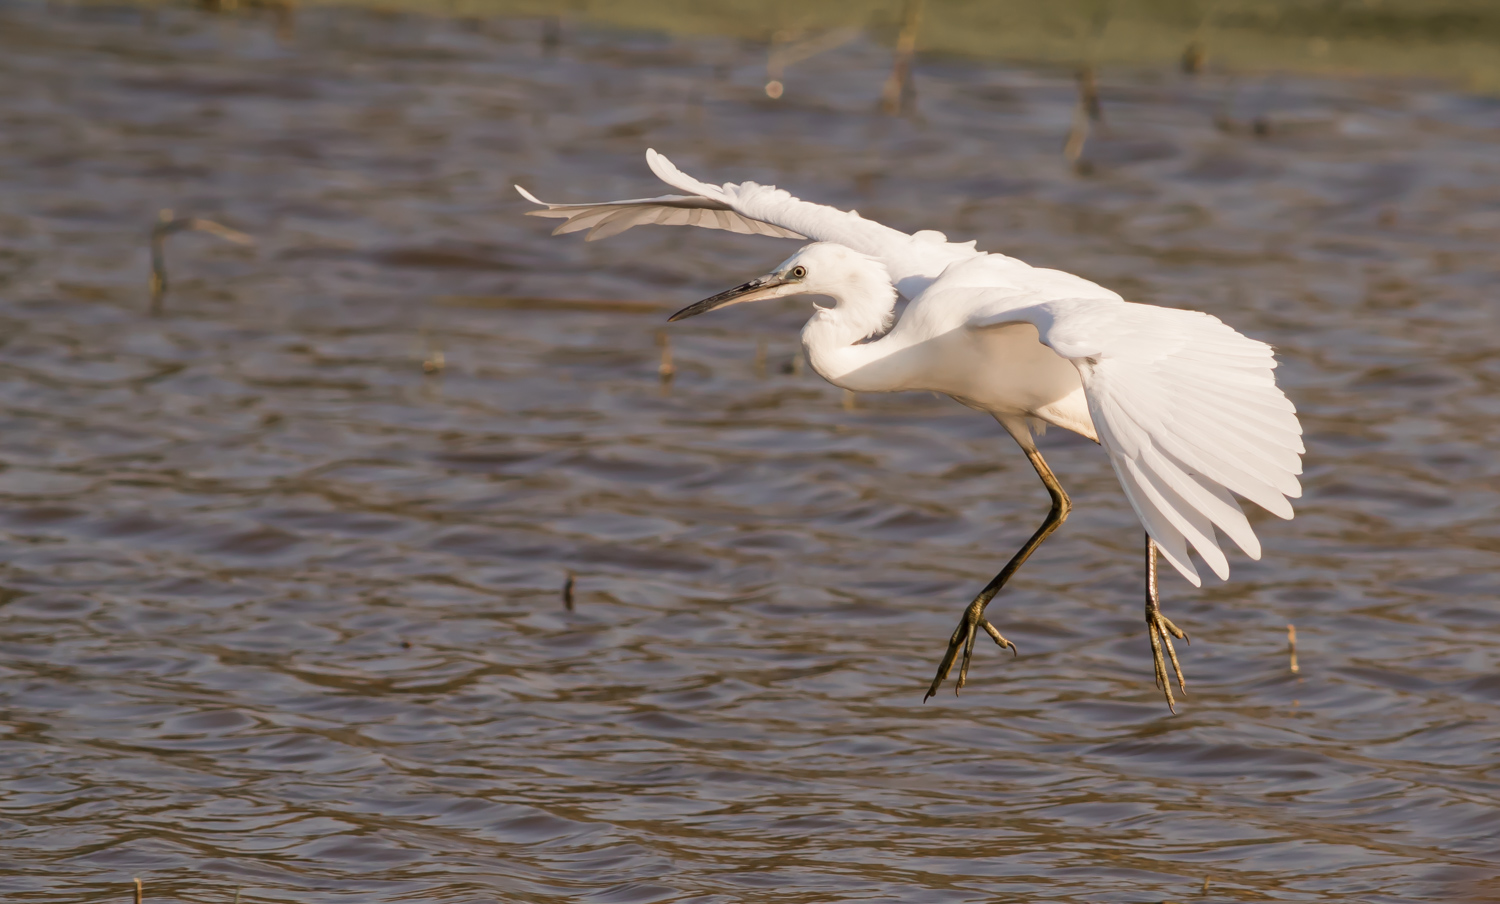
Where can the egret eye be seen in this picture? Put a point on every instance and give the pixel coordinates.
(799, 272)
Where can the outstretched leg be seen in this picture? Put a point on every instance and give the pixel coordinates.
(973, 619)
(1161, 631)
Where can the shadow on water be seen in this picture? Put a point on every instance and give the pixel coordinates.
(405, 555)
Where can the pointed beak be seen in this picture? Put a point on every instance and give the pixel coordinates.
(754, 290)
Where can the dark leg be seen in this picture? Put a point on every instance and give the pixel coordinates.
(1161, 631)
(973, 619)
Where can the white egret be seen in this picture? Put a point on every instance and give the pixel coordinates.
(1186, 408)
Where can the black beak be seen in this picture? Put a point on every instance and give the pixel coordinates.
(738, 293)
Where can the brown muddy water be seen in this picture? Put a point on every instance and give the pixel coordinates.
(281, 611)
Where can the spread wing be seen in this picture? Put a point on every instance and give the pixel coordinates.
(607, 218)
(914, 261)
(1188, 411)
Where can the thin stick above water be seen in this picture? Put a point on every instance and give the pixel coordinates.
(666, 370)
(167, 224)
(785, 51)
(898, 94)
(1088, 111)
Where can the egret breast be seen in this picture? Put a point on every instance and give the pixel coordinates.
(1003, 370)
(1007, 372)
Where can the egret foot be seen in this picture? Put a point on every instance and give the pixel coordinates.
(1161, 631)
(973, 620)
(963, 636)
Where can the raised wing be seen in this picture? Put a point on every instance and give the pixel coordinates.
(608, 218)
(1188, 411)
(913, 261)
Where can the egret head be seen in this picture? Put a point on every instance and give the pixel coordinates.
(822, 268)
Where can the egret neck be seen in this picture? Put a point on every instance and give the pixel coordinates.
(838, 339)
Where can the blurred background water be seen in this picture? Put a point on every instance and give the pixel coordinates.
(281, 598)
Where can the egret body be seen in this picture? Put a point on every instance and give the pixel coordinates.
(1186, 408)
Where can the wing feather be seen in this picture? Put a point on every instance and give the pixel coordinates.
(583, 221)
(667, 210)
(1192, 524)
(1211, 499)
(617, 222)
(1204, 448)
(1188, 411)
(752, 209)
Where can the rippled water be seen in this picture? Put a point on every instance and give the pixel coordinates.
(281, 611)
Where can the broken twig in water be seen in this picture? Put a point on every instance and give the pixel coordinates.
(1195, 54)
(1291, 641)
(1088, 93)
(665, 369)
(433, 359)
(899, 93)
(551, 35)
(167, 224)
(139, 890)
(785, 51)
(1192, 57)
(1088, 111)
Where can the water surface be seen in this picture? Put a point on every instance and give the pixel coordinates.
(280, 610)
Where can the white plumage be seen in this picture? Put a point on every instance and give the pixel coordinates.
(913, 261)
(1187, 408)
